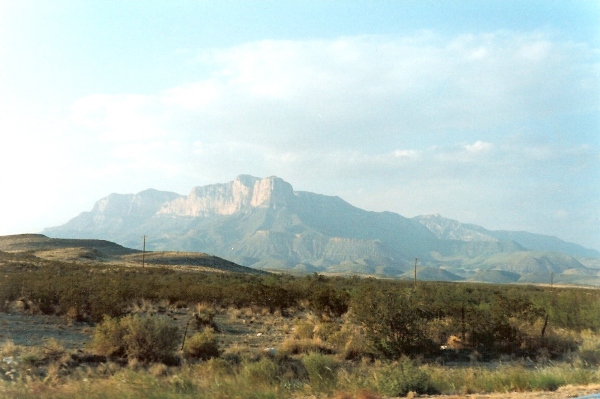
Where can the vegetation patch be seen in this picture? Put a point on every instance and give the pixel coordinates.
(161, 332)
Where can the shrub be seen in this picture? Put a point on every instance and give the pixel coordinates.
(296, 346)
(589, 350)
(356, 348)
(546, 382)
(321, 369)
(304, 329)
(291, 371)
(265, 371)
(325, 300)
(203, 345)
(144, 338)
(108, 338)
(394, 322)
(9, 348)
(403, 377)
(204, 317)
(325, 330)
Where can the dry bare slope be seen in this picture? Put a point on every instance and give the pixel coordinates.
(106, 252)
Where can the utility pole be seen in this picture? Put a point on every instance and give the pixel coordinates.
(415, 273)
(144, 251)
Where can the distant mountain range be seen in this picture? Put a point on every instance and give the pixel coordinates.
(263, 223)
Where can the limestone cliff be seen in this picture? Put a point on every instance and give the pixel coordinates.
(243, 193)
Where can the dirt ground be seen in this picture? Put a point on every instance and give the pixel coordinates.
(30, 330)
(569, 391)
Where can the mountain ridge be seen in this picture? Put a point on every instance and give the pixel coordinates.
(264, 223)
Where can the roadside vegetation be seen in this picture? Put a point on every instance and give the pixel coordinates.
(162, 333)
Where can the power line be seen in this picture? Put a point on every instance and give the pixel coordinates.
(144, 251)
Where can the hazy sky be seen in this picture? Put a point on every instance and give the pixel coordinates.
(487, 112)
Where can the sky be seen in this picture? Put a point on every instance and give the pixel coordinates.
(487, 112)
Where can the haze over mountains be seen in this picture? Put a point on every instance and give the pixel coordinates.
(263, 223)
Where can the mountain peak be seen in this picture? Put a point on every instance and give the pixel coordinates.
(450, 229)
(245, 192)
(247, 180)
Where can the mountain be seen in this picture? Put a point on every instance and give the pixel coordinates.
(263, 223)
(257, 222)
(448, 229)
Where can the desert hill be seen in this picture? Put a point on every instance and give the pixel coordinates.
(38, 246)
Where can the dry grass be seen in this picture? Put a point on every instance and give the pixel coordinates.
(306, 345)
(9, 348)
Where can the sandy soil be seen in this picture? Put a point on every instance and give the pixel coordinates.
(31, 330)
(569, 391)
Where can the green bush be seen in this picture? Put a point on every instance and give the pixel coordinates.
(546, 382)
(203, 345)
(403, 377)
(325, 300)
(151, 339)
(263, 372)
(108, 338)
(321, 370)
(394, 322)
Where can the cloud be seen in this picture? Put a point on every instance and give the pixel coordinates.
(407, 154)
(479, 146)
(427, 124)
(120, 118)
(368, 92)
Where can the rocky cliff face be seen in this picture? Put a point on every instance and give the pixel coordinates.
(145, 203)
(242, 194)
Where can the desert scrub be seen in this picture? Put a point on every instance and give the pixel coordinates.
(265, 371)
(204, 317)
(151, 339)
(304, 329)
(402, 377)
(321, 370)
(203, 345)
(9, 348)
(589, 349)
(298, 346)
(509, 378)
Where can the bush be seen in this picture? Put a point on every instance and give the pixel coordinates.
(321, 369)
(403, 377)
(296, 346)
(304, 329)
(394, 322)
(328, 301)
(203, 345)
(108, 338)
(265, 371)
(144, 338)
(589, 350)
